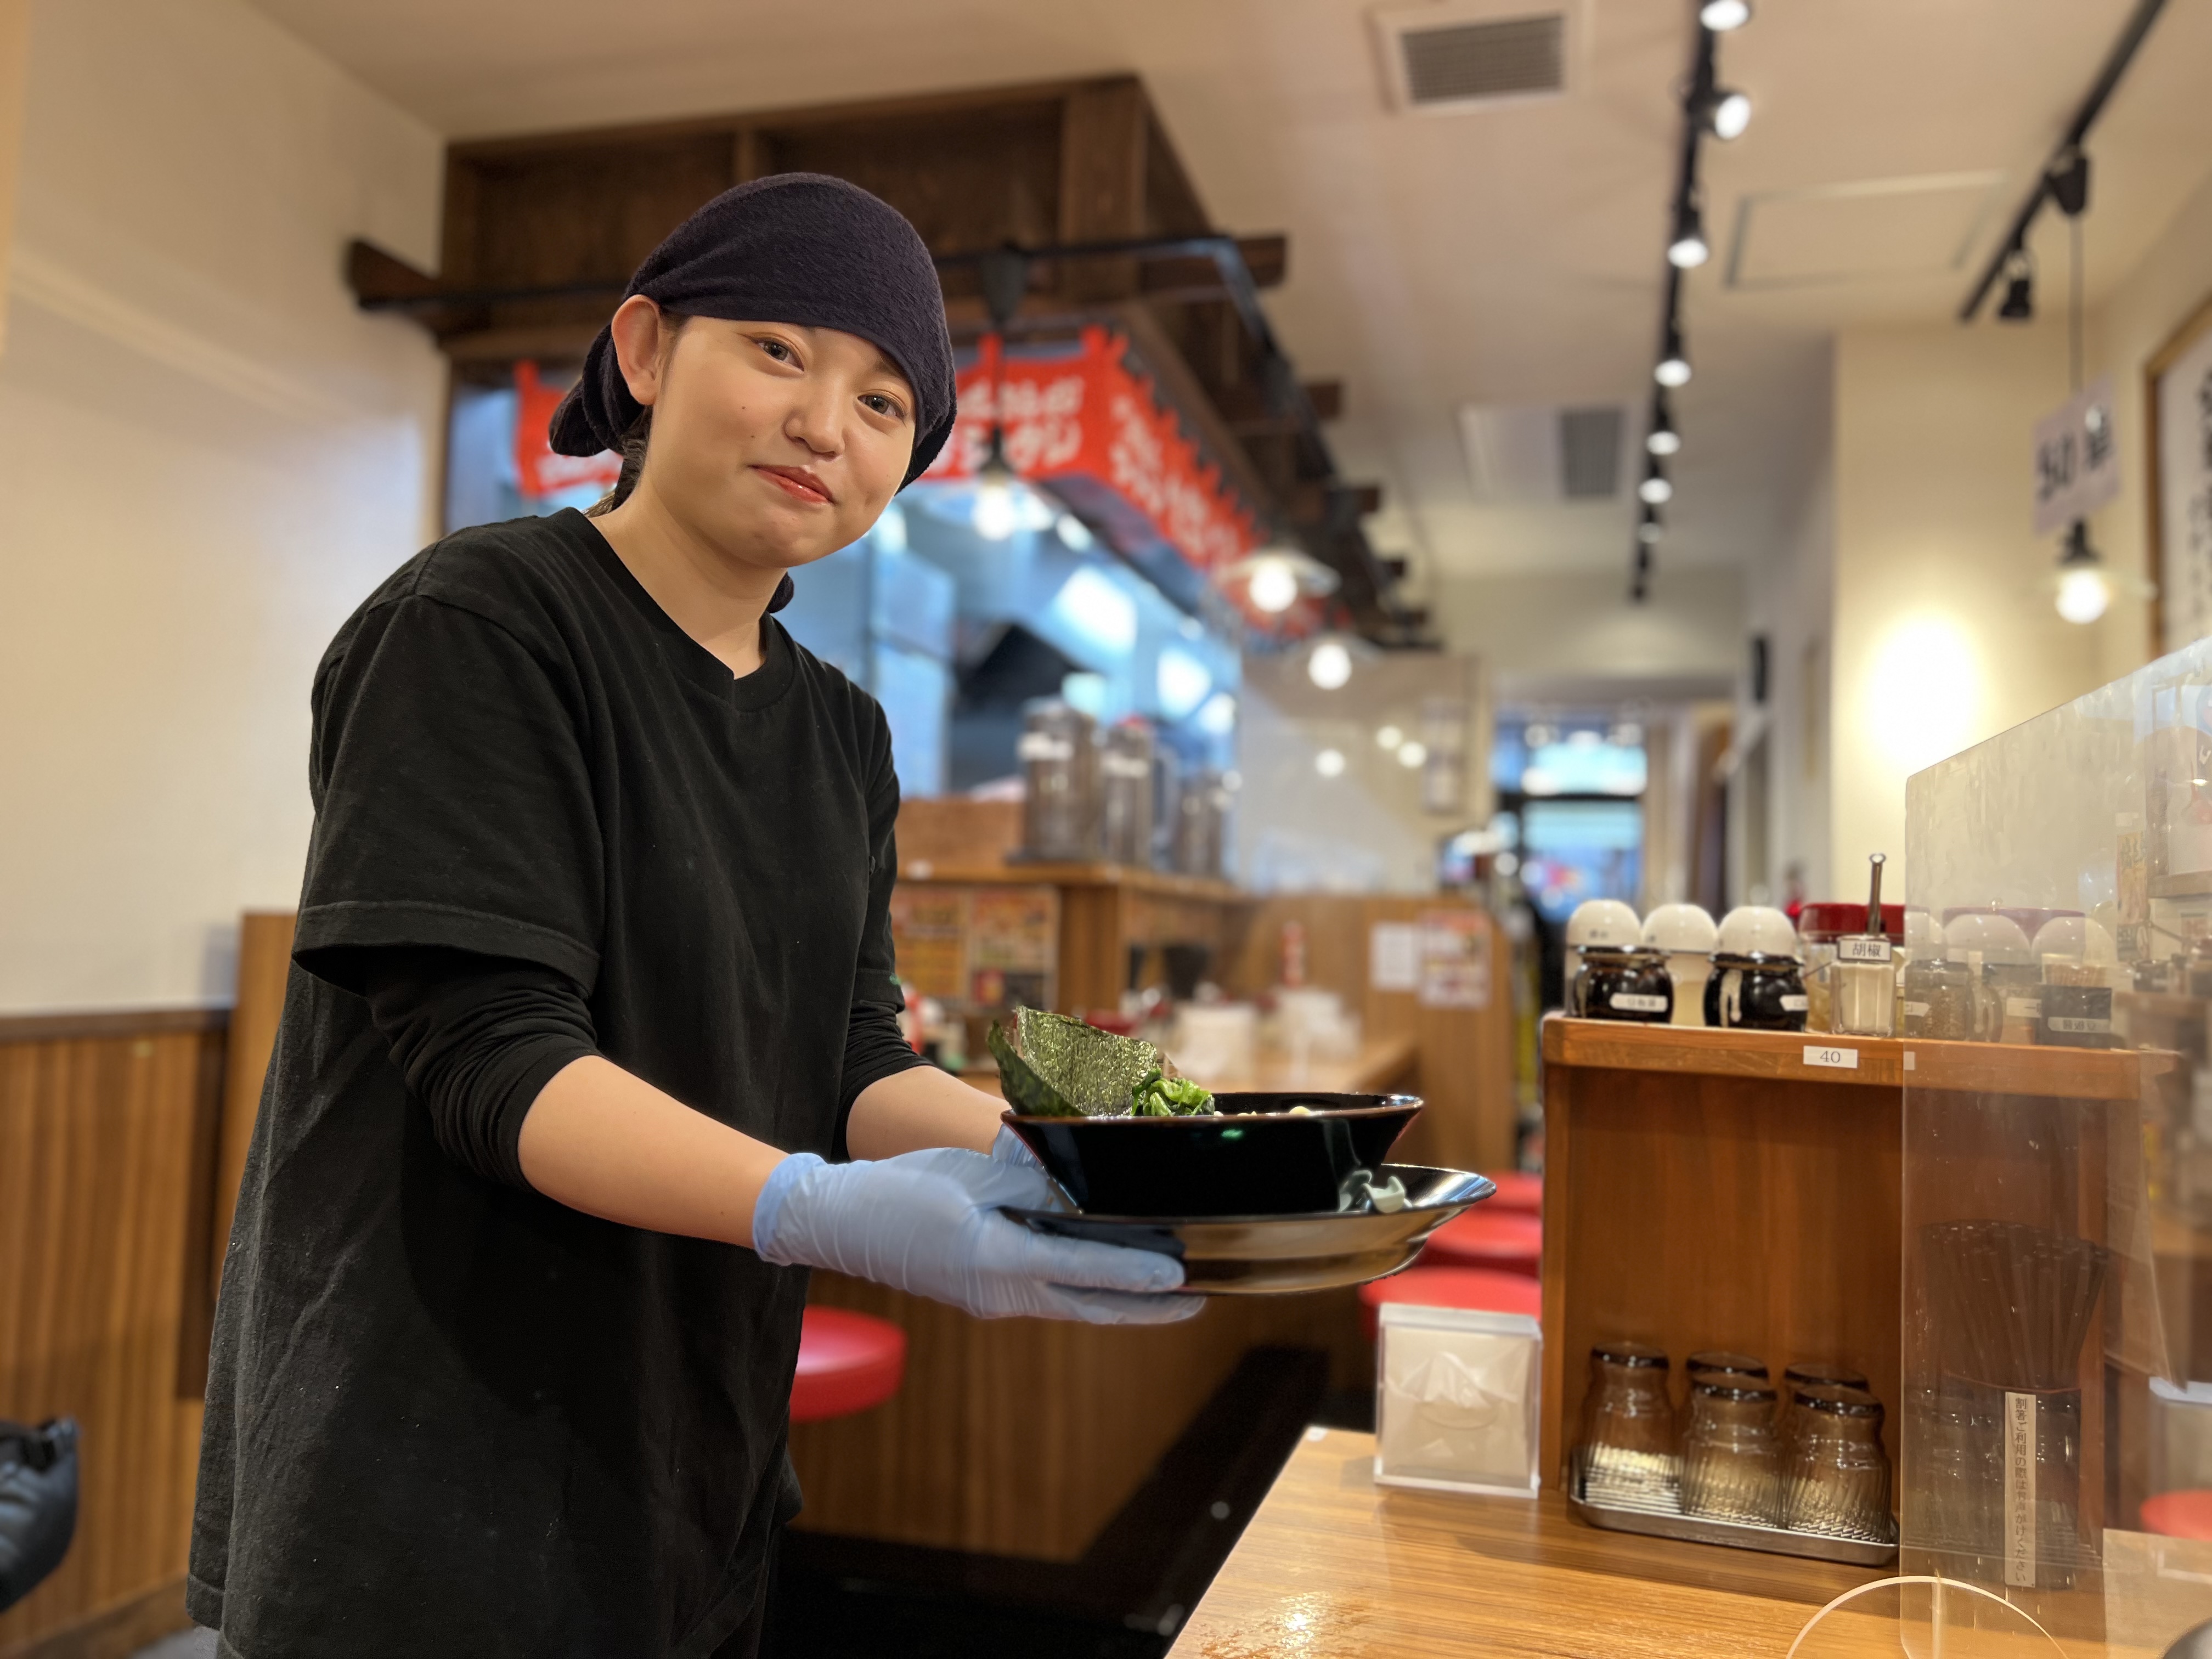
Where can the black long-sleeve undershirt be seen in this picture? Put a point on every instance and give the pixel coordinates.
(478, 1038)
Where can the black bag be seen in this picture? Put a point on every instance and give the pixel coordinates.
(38, 1503)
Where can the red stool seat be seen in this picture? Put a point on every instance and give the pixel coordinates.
(1518, 1193)
(2179, 1514)
(1483, 1238)
(1477, 1288)
(847, 1362)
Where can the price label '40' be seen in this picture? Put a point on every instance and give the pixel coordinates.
(1842, 1059)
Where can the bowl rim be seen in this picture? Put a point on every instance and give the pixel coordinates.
(1390, 1102)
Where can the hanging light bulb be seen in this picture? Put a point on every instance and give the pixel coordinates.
(1687, 248)
(997, 514)
(1273, 587)
(1663, 439)
(1674, 367)
(2085, 590)
(1655, 491)
(1649, 533)
(1273, 578)
(1729, 114)
(1721, 15)
(1329, 667)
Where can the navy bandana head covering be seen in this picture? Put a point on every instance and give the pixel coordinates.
(796, 248)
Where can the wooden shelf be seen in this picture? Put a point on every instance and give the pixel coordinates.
(1130, 877)
(1880, 1062)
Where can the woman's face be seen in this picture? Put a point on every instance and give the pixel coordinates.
(774, 443)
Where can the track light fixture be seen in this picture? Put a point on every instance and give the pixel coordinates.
(2019, 305)
(1687, 248)
(1728, 113)
(1710, 110)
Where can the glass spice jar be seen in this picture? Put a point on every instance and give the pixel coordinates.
(1628, 1420)
(1713, 1361)
(1730, 1456)
(1631, 984)
(1837, 1477)
(1939, 999)
(1755, 992)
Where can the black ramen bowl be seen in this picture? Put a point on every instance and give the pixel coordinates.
(1254, 1156)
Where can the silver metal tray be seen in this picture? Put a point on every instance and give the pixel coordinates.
(1273, 1254)
(1659, 1515)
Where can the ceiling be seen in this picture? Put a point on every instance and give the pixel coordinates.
(1508, 255)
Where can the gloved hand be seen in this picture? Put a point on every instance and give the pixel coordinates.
(1011, 1148)
(929, 1222)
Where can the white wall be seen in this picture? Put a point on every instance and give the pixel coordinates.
(1945, 628)
(1790, 598)
(206, 457)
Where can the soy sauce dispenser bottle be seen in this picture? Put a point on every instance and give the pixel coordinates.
(1864, 973)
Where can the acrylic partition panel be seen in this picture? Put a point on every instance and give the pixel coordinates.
(2056, 1456)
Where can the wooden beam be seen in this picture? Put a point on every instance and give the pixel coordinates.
(374, 275)
(1313, 503)
(1246, 408)
(1102, 134)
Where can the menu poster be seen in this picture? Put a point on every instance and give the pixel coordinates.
(1013, 942)
(1454, 959)
(929, 932)
(2181, 460)
(1394, 956)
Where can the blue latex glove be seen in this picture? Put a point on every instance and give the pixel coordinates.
(929, 1222)
(1011, 1148)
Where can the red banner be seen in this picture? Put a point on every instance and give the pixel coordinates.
(537, 469)
(1085, 414)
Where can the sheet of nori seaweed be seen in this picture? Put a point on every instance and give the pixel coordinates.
(1097, 1071)
(1025, 1091)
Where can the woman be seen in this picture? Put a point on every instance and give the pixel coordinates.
(590, 1048)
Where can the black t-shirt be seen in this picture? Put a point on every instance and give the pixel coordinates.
(445, 1415)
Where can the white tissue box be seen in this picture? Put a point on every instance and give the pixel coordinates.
(1456, 1394)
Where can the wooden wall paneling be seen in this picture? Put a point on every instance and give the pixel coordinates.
(1024, 1436)
(264, 968)
(99, 1141)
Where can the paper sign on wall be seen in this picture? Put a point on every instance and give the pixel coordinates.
(1394, 956)
(1454, 959)
(2077, 463)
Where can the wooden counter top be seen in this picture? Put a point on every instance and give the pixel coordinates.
(1333, 1566)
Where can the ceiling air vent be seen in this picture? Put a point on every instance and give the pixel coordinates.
(1530, 454)
(1451, 56)
(1589, 453)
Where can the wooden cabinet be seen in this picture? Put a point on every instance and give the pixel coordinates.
(1746, 1190)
